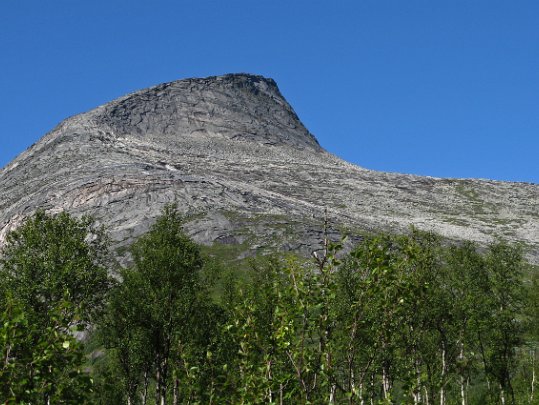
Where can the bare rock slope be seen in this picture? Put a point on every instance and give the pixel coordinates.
(238, 161)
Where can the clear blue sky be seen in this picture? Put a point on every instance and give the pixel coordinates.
(445, 88)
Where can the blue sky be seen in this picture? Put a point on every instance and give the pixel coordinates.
(434, 87)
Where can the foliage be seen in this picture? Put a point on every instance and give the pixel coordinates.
(157, 319)
(57, 258)
(52, 284)
(398, 319)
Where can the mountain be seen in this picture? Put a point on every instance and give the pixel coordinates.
(234, 156)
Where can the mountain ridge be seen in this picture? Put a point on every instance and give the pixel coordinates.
(236, 158)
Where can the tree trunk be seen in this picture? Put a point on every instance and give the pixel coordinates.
(442, 387)
(332, 393)
(160, 386)
(532, 391)
(157, 387)
(463, 381)
(372, 390)
(269, 378)
(162, 382)
(144, 394)
(417, 392)
(176, 392)
(426, 395)
(462, 391)
(385, 382)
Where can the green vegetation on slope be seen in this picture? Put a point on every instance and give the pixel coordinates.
(400, 319)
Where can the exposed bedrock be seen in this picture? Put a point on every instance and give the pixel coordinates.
(234, 156)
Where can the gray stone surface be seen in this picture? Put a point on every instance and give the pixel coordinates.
(239, 163)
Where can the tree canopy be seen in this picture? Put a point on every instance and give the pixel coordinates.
(53, 280)
(399, 319)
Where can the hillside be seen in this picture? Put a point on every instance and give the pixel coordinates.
(240, 164)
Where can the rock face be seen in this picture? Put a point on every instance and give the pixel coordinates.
(231, 152)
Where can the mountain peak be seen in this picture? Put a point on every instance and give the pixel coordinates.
(238, 78)
(232, 154)
(237, 106)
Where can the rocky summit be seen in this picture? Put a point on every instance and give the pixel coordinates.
(234, 156)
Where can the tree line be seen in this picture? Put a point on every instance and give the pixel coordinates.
(400, 319)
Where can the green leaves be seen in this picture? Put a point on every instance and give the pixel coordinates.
(40, 362)
(400, 319)
(50, 259)
(53, 281)
(159, 323)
